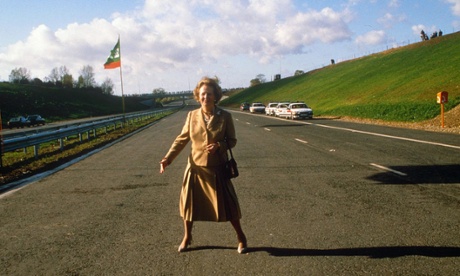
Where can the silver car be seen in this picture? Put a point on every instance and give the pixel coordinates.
(270, 109)
(282, 111)
(300, 111)
(257, 107)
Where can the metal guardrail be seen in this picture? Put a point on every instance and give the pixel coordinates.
(60, 134)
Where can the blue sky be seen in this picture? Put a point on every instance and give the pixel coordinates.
(172, 44)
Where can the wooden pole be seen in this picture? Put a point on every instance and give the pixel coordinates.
(442, 115)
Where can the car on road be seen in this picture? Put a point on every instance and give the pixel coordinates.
(270, 108)
(18, 122)
(36, 120)
(257, 107)
(300, 110)
(244, 106)
(281, 110)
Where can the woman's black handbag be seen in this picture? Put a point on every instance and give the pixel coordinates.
(230, 168)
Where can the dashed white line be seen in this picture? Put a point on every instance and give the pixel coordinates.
(301, 141)
(267, 129)
(391, 136)
(388, 169)
(379, 134)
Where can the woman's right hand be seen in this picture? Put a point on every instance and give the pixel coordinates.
(163, 164)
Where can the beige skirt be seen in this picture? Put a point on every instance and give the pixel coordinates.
(208, 196)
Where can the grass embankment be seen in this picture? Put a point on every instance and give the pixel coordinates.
(57, 103)
(395, 85)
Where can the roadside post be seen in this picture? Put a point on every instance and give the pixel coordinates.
(441, 98)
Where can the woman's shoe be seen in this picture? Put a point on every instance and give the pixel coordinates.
(242, 249)
(184, 245)
(242, 246)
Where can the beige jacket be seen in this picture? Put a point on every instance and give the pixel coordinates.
(196, 130)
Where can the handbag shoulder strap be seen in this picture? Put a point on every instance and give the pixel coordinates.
(228, 147)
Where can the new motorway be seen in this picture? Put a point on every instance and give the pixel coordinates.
(319, 197)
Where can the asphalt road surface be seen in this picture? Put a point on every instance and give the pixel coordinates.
(319, 197)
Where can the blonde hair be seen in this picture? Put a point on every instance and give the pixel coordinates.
(211, 83)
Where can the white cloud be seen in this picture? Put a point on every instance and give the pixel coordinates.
(371, 38)
(394, 4)
(388, 20)
(183, 35)
(455, 6)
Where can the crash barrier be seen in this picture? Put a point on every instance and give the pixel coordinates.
(61, 134)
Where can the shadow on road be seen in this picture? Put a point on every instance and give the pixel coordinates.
(371, 252)
(436, 174)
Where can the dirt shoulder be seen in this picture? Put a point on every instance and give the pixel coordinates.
(451, 122)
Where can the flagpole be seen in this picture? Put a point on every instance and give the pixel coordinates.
(114, 61)
(121, 80)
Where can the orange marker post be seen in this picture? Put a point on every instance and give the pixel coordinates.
(442, 98)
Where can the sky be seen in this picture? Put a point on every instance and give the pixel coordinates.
(172, 44)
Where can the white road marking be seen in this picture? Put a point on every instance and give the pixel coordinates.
(376, 134)
(301, 141)
(267, 129)
(388, 169)
(390, 136)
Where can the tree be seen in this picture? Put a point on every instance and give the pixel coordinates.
(159, 91)
(61, 77)
(254, 82)
(20, 75)
(107, 86)
(67, 81)
(80, 82)
(261, 78)
(87, 75)
(37, 81)
(54, 75)
(63, 71)
(299, 72)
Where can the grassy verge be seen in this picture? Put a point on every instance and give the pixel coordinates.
(395, 85)
(22, 163)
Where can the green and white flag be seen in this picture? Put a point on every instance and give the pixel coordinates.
(114, 60)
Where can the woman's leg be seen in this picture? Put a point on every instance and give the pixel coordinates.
(242, 242)
(187, 235)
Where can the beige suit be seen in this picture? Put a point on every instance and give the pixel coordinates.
(201, 134)
(206, 194)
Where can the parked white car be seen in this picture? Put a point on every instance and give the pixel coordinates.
(257, 107)
(270, 108)
(281, 110)
(300, 111)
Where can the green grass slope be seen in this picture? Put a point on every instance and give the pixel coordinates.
(395, 85)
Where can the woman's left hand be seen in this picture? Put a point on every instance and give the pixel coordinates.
(212, 148)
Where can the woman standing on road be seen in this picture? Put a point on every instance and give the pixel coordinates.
(206, 195)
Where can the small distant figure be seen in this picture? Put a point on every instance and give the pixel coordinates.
(434, 35)
(440, 33)
(332, 61)
(423, 35)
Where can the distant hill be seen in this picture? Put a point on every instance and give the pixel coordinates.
(396, 85)
(55, 103)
